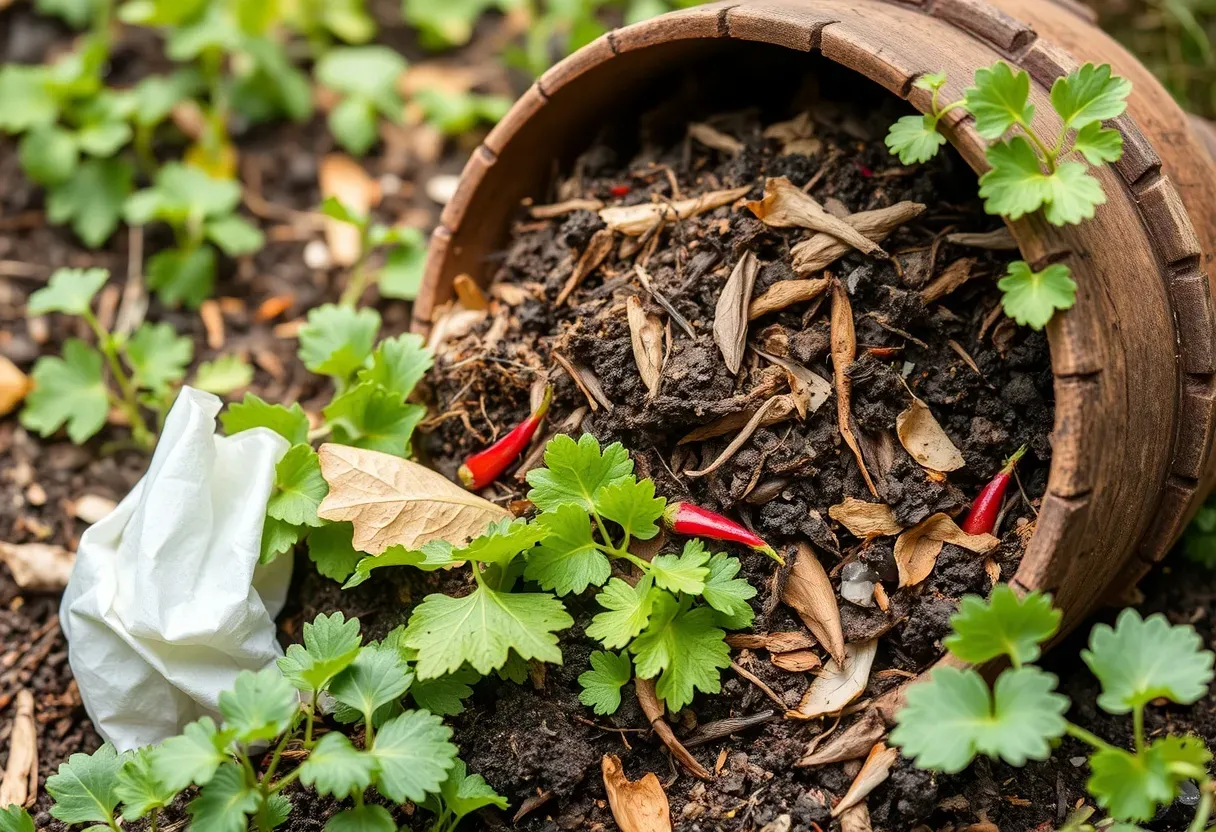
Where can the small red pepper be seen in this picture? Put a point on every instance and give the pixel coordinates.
(981, 519)
(685, 518)
(620, 190)
(483, 467)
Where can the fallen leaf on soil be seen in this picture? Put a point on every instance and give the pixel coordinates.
(20, 784)
(655, 710)
(393, 501)
(730, 315)
(91, 508)
(953, 276)
(558, 209)
(714, 139)
(14, 385)
(587, 381)
(597, 251)
(864, 519)
(925, 440)
(797, 661)
(796, 135)
(815, 388)
(787, 206)
(772, 642)
(874, 771)
(344, 179)
(646, 335)
(844, 350)
(777, 413)
(999, 240)
(809, 591)
(840, 683)
(856, 819)
(38, 567)
(916, 550)
(636, 220)
(786, 293)
(855, 741)
(638, 805)
(823, 250)
(743, 435)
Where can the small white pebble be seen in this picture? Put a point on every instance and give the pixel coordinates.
(1077, 761)
(390, 184)
(442, 188)
(857, 584)
(316, 255)
(93, 507)
(35, 495)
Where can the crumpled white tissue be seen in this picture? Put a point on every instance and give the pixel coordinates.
(167, 602)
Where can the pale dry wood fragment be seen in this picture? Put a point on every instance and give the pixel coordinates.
(856, 819)
(821, 250)
(637, 220)
(469, 293)
(797, 661)
(998, 240)
(559, 209)
(20, 784)
(810, 386)
(810, 593)
(839, 683)
(787, 206)
(874, 771)
(588, 382)
(778, 412)
(773, 642)
(637, 805)
(714, 139)
(786, 293)
(758, 682)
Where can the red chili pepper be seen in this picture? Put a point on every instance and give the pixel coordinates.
(483, 467)
(685, 518)
(981, 519)
(864, 170)
(620, 190)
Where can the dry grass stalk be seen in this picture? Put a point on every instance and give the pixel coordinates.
(742, 437)
(925, 440)
(772, 642)
(809, 591)
(638, 805)
(998, 240)
(646, 335)
(844, 351)
(778, 411)
(786, 206)
(854, 742)
(637, 220)
(653, 708)
(874, 771)
(38, 567)
(916, 550)
(20, 784)
(839, 683)
(865, 519)
(560, 209)
(953, 276)
(797, 661)
(714, 139)
(730, 314)
(587, 382)
(597, 251)
(758, 682)
(786, 293)
(661, 300)
(823, 250)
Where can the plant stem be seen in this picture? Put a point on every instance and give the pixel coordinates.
(1079, 733)
(1204, 810)
(355, 287)
(312, 710)
(284, 781)
(1045, 152)
(128, 402)
(1138, 728)
(320, 433)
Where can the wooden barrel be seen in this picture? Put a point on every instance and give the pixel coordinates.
(1134, 360)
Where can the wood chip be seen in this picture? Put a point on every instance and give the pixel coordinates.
(811, 386)
(993, 570)
(797, 661)
(587, 381)
(852, 743)
(796, 135)
(273, 307)
(787, 206)
(740, 438)
(730, 315)
(20, 784)
(924, 439)
(638, 805)
(772, 642)
(999, 240)
(469, 293)
(809, 591)
(839, 683)
(786, 293)
(823, 250)
(654, 710)
(637, 220)
(560, 209)
(953, 276)
(864, 519)
(844, 351)
(874, 771)
(916, 550)
(646, 336)
(880, 597)
(714, 139)
(14, 385)
(213, 323)
(597, 251)
(38, 567)
(343, 178)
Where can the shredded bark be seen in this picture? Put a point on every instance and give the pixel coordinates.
(953, 276)
(844, 351)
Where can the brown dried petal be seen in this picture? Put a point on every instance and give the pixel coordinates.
(839, 683)
(772, 642)
(822, 250)
(787, 206)
(809, 591)
(855, 741)
(646, 335)
(797, 661)
(638, 805)
(636, 220)
(916, 550)
(814, 388)
(865, 519)
(856, 819)
(924, 439)
(953, 276)
(730, 315)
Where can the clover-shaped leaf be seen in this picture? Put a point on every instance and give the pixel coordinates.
(999, 100)
(1031, 297)
(914, 139)
(1004, 625)
(601, 686)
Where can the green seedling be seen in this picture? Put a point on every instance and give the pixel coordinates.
(1032, 167)
(201, 211)
(404, 250)
(455, 113)
(954, 715)
(320, 21)
(129, 374)
(366, 80)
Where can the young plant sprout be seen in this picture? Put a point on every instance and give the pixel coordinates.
(1030, 170)
(404, 256)
(365, 78)
(953, 716)
(483, 467)
(144, 369)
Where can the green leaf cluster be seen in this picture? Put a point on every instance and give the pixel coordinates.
(366, 79)
(403, 249)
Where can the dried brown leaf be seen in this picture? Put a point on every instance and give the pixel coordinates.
(637, 805)
(844, 350)
(345, 179)
(796, 135)
(730, 315)
(999, 240)
(38, 567)
(809, 591)
(655, 710)
(20, 784)
(953, 276)
(587, 381)
(925, 440)
(646, 335)
(637, 220)
(916, 550)
(874, 771)
(396, 502)
(786, 293)
(865, 519)
(743, 435)
(839, 683)
(797, 661)
(856, 819)
(811, 386)
(597, 251)
(787, 206)
(855, 741)
(14, 385)
(772, 642)
(714, 139)
(821, 250)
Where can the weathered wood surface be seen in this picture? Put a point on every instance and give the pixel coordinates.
(1134, 360)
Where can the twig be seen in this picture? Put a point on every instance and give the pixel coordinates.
(755, 680)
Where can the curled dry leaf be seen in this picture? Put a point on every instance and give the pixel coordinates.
(597, 251)
(740, 438)
(796, 135)
(587, 381)
(636, 220)
(786, 293)
(20, 784)
(396, 502)
(916, 550)
(925, 440)
(730, 315)
(998, 240)
(874, 771)
(823, 250)
(810, 386)
(855, 741)
(840, 683)
(787, 206)
(654, 710)
(38, 567)
(637, 805)
(772, 642)
(844, 350)
(14, 385)
(714, 139)
(864, 519)
(953, 276)
(646, 335)
(797, 661)
(345, 179)
(809, 592)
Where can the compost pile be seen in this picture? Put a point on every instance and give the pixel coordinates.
(680, 304)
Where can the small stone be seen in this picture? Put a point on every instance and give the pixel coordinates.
(1188, 793)
(1077, 761)
(442, 188)
(317, 256)
(35, 495)
(91, 508)
(857, 583)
